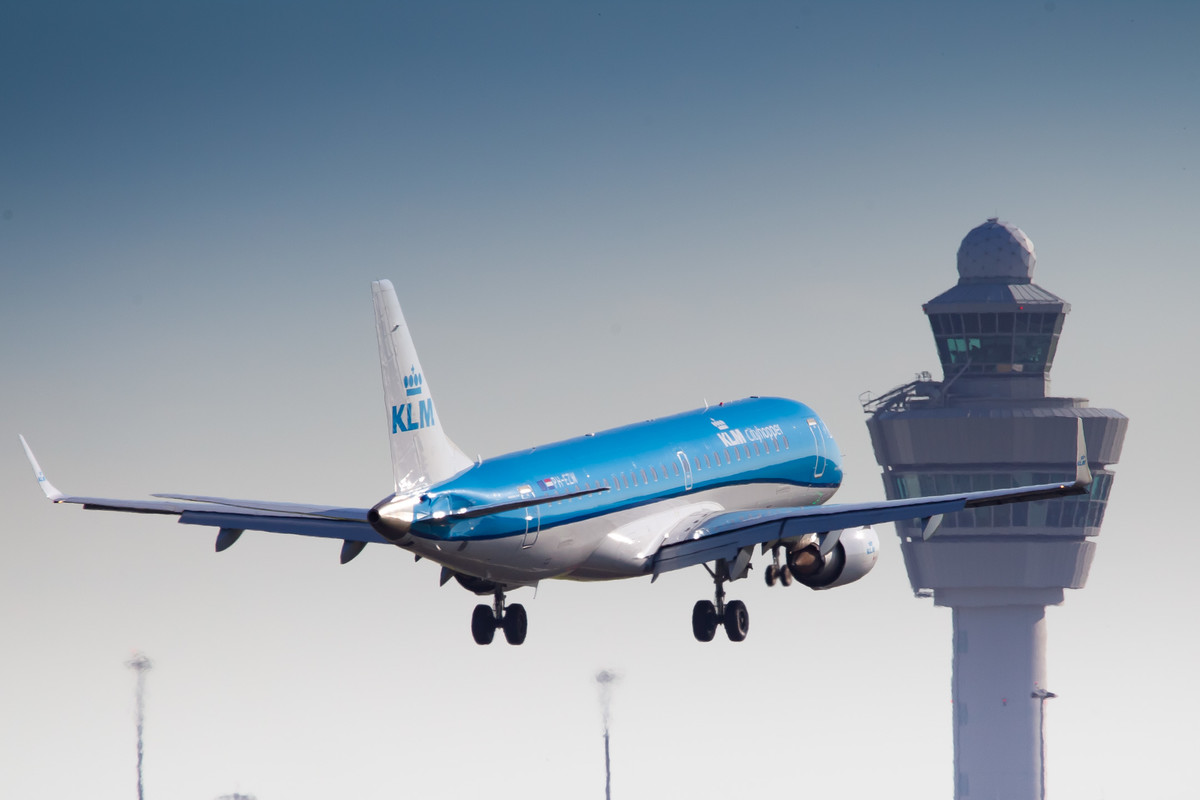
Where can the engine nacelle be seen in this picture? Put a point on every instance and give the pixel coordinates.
(852, 557)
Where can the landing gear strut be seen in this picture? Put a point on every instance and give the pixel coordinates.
(707, 615)
(486, 619)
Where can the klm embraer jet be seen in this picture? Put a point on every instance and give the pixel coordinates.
(709, 486)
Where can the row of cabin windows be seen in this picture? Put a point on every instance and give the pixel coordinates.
(1082, 511)
(740, 450)
(1013, 322)
(651, 474)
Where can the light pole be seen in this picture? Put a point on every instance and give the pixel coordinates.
(1043, 695)
(140, 664)
(605, 679)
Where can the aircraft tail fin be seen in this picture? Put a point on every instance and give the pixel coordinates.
(422, 454)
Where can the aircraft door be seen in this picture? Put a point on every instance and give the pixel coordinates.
(818, 435)
(533, 524)
(687, 470)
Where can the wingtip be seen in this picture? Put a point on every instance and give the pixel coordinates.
(1083, 475)
(47, 487)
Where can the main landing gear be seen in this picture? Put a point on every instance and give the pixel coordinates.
(486, 619)
(707, 615)
(802, 562)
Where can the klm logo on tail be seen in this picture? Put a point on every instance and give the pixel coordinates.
(402, 415)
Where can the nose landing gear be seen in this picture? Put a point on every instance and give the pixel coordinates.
(485, 620)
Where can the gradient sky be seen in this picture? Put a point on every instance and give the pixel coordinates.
(593, 213)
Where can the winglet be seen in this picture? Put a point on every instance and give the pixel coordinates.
(47, 487)
(1083, 475)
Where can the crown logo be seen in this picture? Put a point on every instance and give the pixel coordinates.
(413, 382)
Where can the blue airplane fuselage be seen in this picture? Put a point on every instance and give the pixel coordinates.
(630, 484)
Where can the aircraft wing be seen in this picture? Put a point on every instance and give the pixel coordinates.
(724, 535)
(234, 516)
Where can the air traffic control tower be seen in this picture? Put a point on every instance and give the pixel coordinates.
(989, 423)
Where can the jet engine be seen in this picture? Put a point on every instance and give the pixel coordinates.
(851, 558)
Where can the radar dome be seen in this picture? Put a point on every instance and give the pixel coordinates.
(996, 251)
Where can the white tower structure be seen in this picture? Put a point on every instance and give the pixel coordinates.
(990, 424)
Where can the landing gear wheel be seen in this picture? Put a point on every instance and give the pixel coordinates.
(737, 620)
(483, 624)
(704, 620)
(773, 574)
(515, 624)
(785, 576)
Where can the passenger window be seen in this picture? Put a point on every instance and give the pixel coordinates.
(625, 480)
(786, 446)
(633, 478)
(707, 463)
(675, 468)
(697, 460)
(746, 447)
(736, 454)
(654, 472)
(757, 452)
(644, 478)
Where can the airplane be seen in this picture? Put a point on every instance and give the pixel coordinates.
(705, 487)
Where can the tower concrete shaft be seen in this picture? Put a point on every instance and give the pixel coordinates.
(989, 424)
(999, 653)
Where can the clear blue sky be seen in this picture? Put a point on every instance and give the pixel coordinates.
(594, 213)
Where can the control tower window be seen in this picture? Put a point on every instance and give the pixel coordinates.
(1067, 512)
(1031, 349)
(1022, 342)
